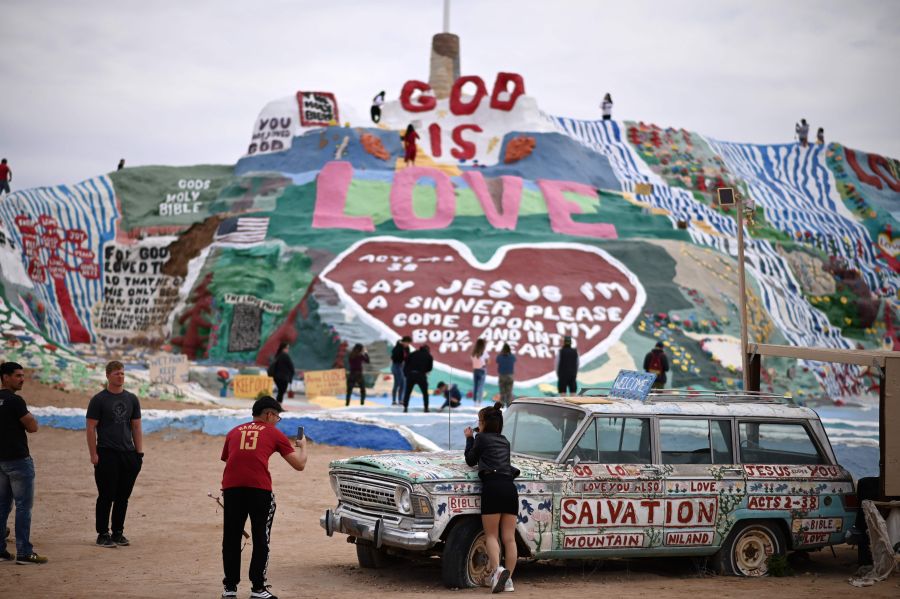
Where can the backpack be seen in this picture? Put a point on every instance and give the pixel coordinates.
(656, 364)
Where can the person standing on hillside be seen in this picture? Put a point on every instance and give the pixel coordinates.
(16, 465)
(409, 145)
(247, 492)
(418, 365)
(398, 359)
(802, 131)
(121, 164)
(377, 101)
(479, 359)
(820, 136)
(506, 366)
(282, 370)
(115, 442)
(567, 368)
(606, 107)
(5, 176)
(656, 362)
(358, 356)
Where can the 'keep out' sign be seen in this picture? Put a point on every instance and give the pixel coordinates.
(530, 296)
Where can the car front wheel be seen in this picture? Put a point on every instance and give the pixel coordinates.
(464, 562)
(748, 548)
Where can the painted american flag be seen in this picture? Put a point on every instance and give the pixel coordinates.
(243, 230)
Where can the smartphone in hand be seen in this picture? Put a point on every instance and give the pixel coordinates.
(299, 432)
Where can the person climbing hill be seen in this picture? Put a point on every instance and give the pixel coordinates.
(377, 101)
(657, 363)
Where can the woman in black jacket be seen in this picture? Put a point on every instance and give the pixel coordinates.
(489, 450)
(282, 370)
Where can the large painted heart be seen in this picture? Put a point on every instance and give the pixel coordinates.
(530, 296)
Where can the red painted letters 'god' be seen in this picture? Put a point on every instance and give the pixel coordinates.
(423, 103)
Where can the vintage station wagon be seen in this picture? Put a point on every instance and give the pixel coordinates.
(739, 478)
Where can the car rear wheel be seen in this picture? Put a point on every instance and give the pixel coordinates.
(748, 548)
(464, 562)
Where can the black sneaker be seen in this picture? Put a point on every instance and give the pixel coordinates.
(120, 540)
(6, 556)
(34, 558)
(261, 593)
(229, 592)
(104, 540)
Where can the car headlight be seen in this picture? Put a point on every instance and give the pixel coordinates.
(401, 499)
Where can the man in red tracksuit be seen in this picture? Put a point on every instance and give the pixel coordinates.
(247, 491)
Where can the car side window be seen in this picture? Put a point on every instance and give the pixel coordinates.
(777, 443)
(623, 440)
(586, 449)
(684, 441)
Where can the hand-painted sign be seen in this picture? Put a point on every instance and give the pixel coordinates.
(576, 512)
(464, 503)
(248, 386)
(325, 383)
(801, 472)
(617, 487)
(610, 540)
(630, 384)
(317, 109)
(690, 538)
(817, 525)
(171, 369)
(530, 296)
(803, 503)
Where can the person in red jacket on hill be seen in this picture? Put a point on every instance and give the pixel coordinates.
(409, 145)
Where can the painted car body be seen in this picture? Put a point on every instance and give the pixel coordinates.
(660, 498)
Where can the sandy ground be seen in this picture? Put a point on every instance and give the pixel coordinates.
(175, 531)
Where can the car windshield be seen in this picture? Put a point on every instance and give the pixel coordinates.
(540, 430)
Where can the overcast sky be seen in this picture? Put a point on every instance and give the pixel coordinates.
(85, 83)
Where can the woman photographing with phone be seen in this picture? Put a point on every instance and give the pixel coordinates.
(489, 450)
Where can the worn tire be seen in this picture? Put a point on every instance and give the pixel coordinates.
(748, 547)
(464, 562)
(370, 557)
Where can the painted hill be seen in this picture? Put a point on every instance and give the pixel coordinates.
(512, 225)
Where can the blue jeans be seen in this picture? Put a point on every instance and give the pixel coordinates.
(478, 384)
(17, 484)
(399, 383)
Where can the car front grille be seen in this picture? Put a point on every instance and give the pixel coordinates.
(367, 491)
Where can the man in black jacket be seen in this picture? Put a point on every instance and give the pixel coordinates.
(417, 367)
(567, 368)
(657, 362)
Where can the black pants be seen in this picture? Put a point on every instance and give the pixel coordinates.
(414, 378)
(356, 379)
(282, 387)
(241, 502)
(566, 382)
(115, 474)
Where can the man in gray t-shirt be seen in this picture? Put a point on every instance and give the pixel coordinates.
(116, 445)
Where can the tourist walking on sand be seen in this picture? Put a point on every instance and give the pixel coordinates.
(606, 107)
(802, 131)
(489, 450)
(16, 465)
(567, 368)
(479, 359)
(115, 442)
(656, 362)
(418, 365)
(282, 370)
(5, 176)
(506, 366)
(409, 145)
(247, 492)
(358, 356)
(398, 359)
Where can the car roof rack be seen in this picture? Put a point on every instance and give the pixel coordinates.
(684, 395)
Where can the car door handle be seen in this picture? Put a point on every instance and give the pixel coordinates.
(650, 470)
(736, 469)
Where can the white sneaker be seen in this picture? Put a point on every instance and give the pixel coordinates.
(498, 579)
(509, 588)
